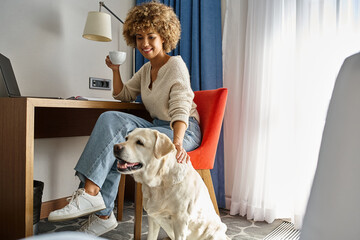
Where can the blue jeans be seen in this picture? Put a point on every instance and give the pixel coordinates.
(98, 164)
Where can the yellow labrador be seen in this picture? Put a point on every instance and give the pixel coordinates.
(174, 195)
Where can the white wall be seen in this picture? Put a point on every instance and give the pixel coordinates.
(43, 40)
(229, 164)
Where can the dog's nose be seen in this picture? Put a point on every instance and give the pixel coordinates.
(117, 149)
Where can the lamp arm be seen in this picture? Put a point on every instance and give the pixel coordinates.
(102, 4)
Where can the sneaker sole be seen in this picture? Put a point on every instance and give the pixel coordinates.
(73, 216)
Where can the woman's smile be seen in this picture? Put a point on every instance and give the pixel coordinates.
(147, 50)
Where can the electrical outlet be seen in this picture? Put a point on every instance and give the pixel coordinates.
(99, 83)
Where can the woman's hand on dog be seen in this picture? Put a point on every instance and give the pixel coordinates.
(181, 155)
(179, 132)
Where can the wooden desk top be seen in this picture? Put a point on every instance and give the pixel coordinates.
(63, 103)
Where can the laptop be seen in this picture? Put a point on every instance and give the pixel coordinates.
(8, 84)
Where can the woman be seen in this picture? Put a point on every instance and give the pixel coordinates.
(164, 85)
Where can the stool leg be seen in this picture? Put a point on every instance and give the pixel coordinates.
(138, 212)
(120, 197)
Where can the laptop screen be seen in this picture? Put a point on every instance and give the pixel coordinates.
(8, 84)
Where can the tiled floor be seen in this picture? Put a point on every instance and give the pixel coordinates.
(238, 227)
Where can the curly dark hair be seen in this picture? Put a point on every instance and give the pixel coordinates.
(155, 16)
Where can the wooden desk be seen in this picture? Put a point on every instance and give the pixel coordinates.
(22, 120)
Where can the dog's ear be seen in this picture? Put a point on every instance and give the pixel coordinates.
(163, 145)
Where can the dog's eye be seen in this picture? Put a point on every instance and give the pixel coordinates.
(126, 138)
(139, 143)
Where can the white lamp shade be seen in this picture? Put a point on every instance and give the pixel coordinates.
(98, 27)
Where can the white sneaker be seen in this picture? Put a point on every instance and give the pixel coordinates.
(97, 226)
(80, 204)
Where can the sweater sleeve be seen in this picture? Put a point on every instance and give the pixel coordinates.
(131, 88)
(181, 98)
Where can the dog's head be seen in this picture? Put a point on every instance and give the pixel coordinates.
(150, 156)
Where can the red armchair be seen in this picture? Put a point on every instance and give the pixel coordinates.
(211, 107)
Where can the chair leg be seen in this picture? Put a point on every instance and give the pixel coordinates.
(138, 206)
(120, 197)
(138, 211)
(206, 176)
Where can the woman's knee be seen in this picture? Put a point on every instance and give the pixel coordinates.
(120, 120)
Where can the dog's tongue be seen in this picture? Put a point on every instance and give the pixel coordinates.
(121, 166)
(131, 164)
(125, 165)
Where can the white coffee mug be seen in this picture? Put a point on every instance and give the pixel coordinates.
(117, 57)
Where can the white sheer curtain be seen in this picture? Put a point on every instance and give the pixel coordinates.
(281, 58)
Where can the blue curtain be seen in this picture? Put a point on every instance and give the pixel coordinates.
(201, 48)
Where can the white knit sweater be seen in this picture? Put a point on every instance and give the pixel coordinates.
(171, 96)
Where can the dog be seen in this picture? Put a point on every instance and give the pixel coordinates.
(174, 195)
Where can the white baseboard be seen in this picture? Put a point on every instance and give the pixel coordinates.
(227, 202)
